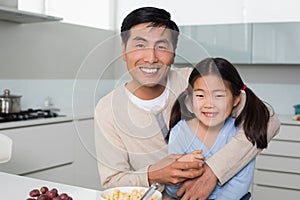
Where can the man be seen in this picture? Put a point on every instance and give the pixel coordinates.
(130, 122)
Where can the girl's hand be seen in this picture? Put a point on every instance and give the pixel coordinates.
(192, 157)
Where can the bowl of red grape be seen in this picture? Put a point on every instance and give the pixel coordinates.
(45, 194)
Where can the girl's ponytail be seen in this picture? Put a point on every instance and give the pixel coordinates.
(254, 118)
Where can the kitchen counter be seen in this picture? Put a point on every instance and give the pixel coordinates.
(14, 187)
(87, 113)
(34, 122)
(65, 115)
(288, 120)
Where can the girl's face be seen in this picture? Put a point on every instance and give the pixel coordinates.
(212, 100)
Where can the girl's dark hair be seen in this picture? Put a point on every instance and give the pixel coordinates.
(158, 18)
(255, 114)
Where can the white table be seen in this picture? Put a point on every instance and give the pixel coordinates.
(14, 187)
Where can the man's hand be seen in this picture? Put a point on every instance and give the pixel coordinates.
(198, 188)
(171, 171)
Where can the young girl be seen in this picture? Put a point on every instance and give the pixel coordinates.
(201, 120)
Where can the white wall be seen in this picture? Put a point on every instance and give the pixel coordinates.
(193, 12)
(54, 50)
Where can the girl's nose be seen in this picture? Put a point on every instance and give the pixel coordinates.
(208, 102)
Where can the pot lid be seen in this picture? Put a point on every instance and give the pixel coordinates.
(8, 95)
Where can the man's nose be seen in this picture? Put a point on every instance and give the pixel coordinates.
(150, 55)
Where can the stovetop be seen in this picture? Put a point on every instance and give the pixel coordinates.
(28, 115)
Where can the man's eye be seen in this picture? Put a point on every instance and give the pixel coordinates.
(140, 46)
(161, 47)
(199, 95)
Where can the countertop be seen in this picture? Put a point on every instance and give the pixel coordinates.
(14, 187)
(69, 115)
(65, 115)
(288, 120)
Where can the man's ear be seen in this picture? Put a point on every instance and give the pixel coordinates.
(174, 55)
(237, 99)
(123, 51)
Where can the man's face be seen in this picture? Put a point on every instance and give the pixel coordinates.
(149, 54)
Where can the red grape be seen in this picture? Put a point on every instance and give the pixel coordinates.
(63, 196)
(43, 197)
(45, 194)
(56, 198)
(34, 193)
(44, 189)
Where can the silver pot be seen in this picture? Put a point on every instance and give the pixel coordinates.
(10, 103)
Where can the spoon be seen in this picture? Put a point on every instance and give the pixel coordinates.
(150, 191)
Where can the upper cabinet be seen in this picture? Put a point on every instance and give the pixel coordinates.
(232, 41)
(91, 13)
(277, 43)
(13, 11)
(251, 43)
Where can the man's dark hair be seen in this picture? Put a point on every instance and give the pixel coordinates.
(156, 16)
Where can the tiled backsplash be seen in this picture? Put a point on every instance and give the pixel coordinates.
(86, 93)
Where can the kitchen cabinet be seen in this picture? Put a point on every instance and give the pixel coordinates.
(42, 149)
(86, 171)
(231, 41)
(60, 151)
(92, 13)
(252, 43)
(276, 43)
(277, 173)
(18, 11)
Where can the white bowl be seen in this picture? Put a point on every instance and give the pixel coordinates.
(128, 190)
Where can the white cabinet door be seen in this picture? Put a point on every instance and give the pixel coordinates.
(230, 41)
(277, 43)
(274, 179)
(36, 6)
(266, 193)
(61, 174)
(86, 171)
(93, 13)
(40, 147)
(277, 174)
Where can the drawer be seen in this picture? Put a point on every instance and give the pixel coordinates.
(278, 163)
(277, 179)
(288, 132)
(62, 174)
(283, 148)
(266, 193)
(40, 147)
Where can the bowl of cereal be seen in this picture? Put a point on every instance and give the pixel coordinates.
(128, 193)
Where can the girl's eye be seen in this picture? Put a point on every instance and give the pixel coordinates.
(220, 95)
(199, 95)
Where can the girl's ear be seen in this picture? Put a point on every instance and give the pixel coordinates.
(237, 99)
